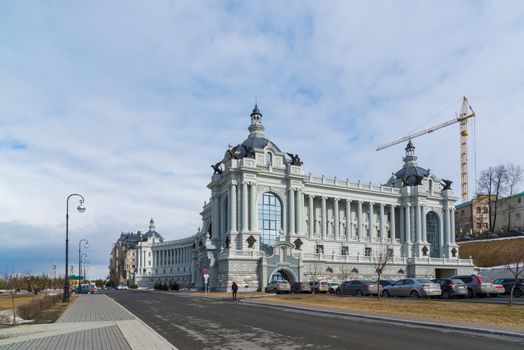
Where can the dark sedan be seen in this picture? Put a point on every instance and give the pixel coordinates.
(451, 287)
(508, 284)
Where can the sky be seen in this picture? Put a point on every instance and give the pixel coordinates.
(129, 102)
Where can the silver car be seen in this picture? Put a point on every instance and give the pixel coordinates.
(358, 287)
(412, 287)
(278, 287)
(477, 285)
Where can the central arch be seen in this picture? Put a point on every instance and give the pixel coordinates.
(283, 274)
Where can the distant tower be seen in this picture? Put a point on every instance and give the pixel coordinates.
(151, 225)
(410, 158)
(256, 128)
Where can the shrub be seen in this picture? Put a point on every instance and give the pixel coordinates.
(173, 286)
(157, 285)
(133, 286)
(29, 310)
(164, 287)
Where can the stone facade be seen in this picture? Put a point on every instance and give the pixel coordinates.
(267, 219)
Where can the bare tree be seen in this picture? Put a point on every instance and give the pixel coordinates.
(344, 272)
(516, 268)
(380, 258)
(14, 284)
(513, 179)
(492, 183)
(314, 272)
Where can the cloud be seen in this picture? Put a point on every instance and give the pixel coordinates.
(129, 104)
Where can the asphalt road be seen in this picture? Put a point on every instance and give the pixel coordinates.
(198, 323)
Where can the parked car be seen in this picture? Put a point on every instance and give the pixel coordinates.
(319, 286)
(498, 289)
(477, 285)
(121, 287)
(333, 287)
(412, 287)
(84, 289)
(384, 283)
(451, 287)
(358, 287)
(300, 287)
(508, 284)
(278, 287)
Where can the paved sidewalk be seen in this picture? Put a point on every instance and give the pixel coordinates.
(92, 322)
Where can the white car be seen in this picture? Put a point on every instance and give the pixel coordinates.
(121, 287)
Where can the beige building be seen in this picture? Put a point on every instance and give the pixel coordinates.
(510, 214)
(122, 260)
(472, 217)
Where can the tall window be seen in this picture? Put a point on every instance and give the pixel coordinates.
(269, 158)
(269, 219)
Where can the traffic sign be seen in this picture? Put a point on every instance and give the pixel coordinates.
(205, 271)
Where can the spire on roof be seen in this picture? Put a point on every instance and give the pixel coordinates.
(256, 128)
(151, 225)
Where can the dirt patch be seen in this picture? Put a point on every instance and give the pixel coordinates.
(482, 314)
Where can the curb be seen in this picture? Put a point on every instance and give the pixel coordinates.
(431, 325)
(168, 344)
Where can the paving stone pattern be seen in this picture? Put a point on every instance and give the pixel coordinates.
(95, 308)
(109, 338)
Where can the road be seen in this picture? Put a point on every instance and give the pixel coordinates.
(199, 323)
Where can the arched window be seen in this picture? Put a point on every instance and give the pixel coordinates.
(269, 158)
(269, 219)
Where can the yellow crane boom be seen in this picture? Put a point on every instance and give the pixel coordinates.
(462, 119)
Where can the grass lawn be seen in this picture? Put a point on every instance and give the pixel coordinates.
(487, 314)
(5, 300)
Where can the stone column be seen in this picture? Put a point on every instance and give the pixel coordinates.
(224, 226)
(392, 223)
(324, 218)
(371, 220)
(233, 208)
(245, 210)
(418, 231)
(300, 211)
(336, 225)
(446, 226)
(423, 223)
(348, 219)
(452, 230)
(311, 215)
(215, 222)
(291, 200)
(402, 224)
(254, 209)
(408, 224)
(382, 224)
(359, 221)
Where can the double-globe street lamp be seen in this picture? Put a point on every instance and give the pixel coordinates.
(80, 209)
(86, 246)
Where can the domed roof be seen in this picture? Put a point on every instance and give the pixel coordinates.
(411, 173)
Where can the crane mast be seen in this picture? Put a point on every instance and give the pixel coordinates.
(462, 119)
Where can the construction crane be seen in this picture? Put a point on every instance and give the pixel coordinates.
(462, 119)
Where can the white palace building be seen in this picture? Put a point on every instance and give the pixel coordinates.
(267, 220)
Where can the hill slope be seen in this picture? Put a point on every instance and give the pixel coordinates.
(492, 252)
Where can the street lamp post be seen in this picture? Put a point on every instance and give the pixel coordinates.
(86, 245)
(80, 209)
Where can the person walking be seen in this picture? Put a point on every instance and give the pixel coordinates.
(234, 289)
